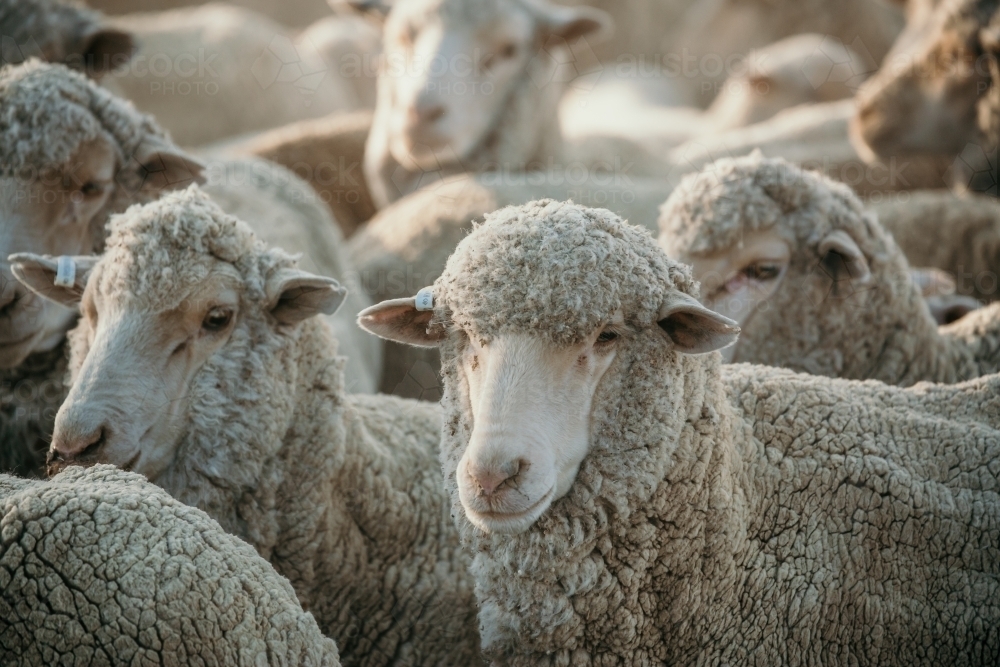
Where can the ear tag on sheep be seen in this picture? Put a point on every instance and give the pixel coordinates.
(424, 300)
(65, 272)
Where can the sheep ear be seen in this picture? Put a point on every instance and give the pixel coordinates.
(294, 295)
(948, 308)
(693, 328)
(842, 258)
(106, 49)
(164, 166)
(571, 23)
(399, 320)
(58, 279)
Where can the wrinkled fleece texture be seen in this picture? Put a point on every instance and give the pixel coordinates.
(818, 321)
(53, 30)
(100, 567)
(752, 517)
(341, 493)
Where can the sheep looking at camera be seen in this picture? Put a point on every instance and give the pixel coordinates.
(628, 502)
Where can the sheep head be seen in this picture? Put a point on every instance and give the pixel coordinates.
(61, 31)
(63, 172)
(936, 90)
(544, 315)
(451, 68)
(179, 282)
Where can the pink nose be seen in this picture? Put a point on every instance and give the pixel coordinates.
(491, 478)
(78, 443)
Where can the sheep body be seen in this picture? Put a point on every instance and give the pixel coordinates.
(98, 566)
(720, 517)
(342, 494)
(30, 395)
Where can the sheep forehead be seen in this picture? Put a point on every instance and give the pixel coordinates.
(76, 110)
(556, 270)
(164, 252)
(712, 210)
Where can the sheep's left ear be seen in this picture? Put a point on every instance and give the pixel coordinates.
(842, 258)
(58, 279)
(400, 320)
(106, 49)
(294, 295)
(693, 328)
(571, 23)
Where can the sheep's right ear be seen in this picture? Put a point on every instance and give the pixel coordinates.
(842, 258)
(693, 328)
(163, 166)
(399, 320)
(58, 279)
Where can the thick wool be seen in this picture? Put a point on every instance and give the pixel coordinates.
(342, 494)
(100, 567)
(53, 30)
(749, 517)
(814, 323)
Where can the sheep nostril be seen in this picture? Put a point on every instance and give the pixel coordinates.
(94, 448)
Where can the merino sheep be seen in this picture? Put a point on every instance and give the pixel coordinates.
(493, 106)
(199, 363)
(815, 283)
(406, 245)
(100, 567)
(938, 93)
(61, 31)
(68, 169)
(628, 503)
(957, 234)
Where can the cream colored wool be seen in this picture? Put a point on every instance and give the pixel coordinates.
(100, 567)
(342, 494)
(879, 331)
(743, 517)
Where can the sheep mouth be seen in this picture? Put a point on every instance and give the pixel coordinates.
(500, 522)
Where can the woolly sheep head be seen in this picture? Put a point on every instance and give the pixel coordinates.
(938, 88)
(61, 31)
(451, 65)
(542, 312)
(790, 255)
(180, 286)
(71, 154)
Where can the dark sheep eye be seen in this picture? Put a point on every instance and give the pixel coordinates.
(90, 189)
(508, 51)
(607, 337)
(762, 272)
(217, 319)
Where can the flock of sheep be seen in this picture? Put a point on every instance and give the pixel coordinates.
(460, 332)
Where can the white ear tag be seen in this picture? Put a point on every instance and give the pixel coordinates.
(65, 272)
(424, 300)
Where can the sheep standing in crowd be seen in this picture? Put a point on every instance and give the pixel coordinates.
(938, 93)
(815, 283)
(100, 567)
(627, 502)
(68, 169)
(243, 414)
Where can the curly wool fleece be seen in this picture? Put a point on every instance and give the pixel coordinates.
(341, 493)
(814, 322)
(52, 30)
(100, 567)
(752, 517)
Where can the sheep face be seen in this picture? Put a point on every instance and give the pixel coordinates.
(50, 213)
(451, 67)
(931, 96)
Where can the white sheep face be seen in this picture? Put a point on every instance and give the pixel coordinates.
(451, 65)
(48, 213)
(531, 408)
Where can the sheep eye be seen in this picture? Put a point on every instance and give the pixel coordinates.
(607, 336)
(762, 272)
(90, 189)
(508, 51)
(217, 319)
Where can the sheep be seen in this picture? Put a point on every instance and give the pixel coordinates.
(802, 69)
(63, 31)
(326, 152)
(473, 86)
(628, 502)
(91, 155)
(98, 566)
(221, 387)
(957, 234)
(938, 93)
(815, 283)
(406, 245)
(292, 13)
(713, 38)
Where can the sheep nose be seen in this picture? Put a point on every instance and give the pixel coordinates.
(491, 478)
(77, 442)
